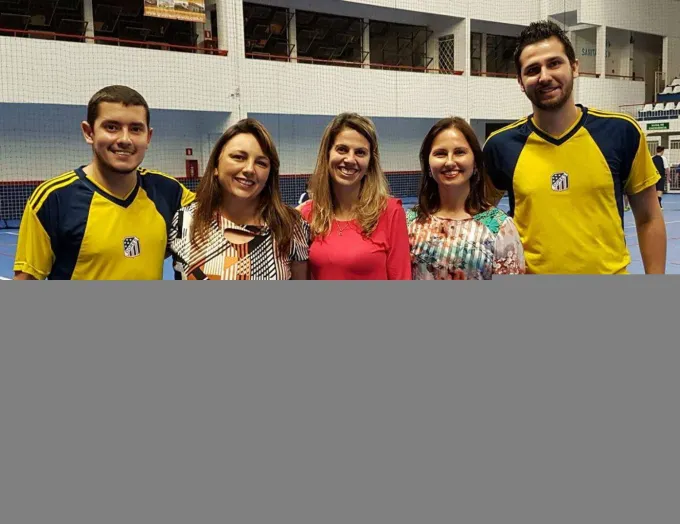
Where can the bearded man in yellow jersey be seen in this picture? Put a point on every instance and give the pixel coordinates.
(567, 167)
(108, 220)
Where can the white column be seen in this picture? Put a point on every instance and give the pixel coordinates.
(601, 56)
(570, 35)
(230, 27)
(627, 59)
(671, 58)
(433, 52)
(292, 36)
(201, 28)
(230, 37)
(88, 16)
(366, 44)
(461, 57)
(483, 53)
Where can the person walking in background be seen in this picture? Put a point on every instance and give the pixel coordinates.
(663, 168)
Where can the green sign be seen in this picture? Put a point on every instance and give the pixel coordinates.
(657, 126)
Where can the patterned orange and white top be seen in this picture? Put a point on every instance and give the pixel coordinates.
(215, 258)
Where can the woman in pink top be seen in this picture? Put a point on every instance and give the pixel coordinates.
(359, 232)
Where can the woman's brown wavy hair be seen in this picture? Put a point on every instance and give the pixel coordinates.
(280, 218)
(480, 184)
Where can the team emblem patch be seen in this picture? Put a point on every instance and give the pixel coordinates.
(560, 182)
(131, 247)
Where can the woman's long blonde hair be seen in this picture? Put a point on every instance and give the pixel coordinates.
(374, 187)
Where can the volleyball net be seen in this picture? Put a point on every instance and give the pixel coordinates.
(202, 67)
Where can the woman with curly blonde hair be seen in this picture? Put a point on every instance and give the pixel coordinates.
(359, 231)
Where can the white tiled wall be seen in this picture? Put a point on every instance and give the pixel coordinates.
(39, 141)
(38, 72)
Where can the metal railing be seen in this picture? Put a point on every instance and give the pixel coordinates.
(650, 112)
(208, 47)
(349, 63)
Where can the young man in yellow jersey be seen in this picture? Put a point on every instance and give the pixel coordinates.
(566, 169)
(107, 220)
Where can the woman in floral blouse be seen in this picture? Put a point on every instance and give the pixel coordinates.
(454, 232)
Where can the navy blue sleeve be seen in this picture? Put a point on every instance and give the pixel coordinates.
(501, 154)
(165, 192)
(493, 162)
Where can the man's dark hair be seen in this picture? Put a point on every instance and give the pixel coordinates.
(116, 95)
(660, 149)
(538, 31)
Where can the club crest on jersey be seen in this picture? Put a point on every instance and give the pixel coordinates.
(560, 182)
(131, 247)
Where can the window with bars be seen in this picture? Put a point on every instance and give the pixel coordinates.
(399, 45)
(329, 37)
(266, 31)
(500, 52)
(476, 52)
(652, 147)
(446, 54)
(675, 144)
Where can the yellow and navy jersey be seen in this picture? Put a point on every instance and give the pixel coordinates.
(74, 229)
(566, 192)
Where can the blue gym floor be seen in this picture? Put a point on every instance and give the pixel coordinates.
(671, 204)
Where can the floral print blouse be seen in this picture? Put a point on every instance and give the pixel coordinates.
(464, 249)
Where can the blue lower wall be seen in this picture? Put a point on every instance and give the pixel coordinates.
(14, 195)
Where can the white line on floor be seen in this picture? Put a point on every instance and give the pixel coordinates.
(5, 278)
(11, 233)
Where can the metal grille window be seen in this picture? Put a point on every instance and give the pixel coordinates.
(652, 147)
(499, 54)
(446, 54)
(328, 37)
(476, 52)
(266, 31)
(399, 45)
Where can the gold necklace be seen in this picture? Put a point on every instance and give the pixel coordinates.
(341, 229)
